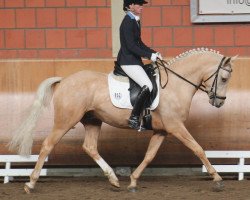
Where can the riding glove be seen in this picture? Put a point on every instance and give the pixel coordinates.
(154, 56)
(159, 55)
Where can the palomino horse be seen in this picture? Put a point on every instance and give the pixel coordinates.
(84, 97)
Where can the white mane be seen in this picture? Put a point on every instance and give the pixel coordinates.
(191, 52)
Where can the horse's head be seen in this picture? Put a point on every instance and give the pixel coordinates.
(213, 80)
(216, 83)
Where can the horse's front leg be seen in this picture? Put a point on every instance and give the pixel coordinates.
(181, 133)
(153, 147)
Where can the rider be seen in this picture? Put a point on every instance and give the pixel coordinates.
(129, 56)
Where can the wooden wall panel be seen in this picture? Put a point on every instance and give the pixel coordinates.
(225, 128)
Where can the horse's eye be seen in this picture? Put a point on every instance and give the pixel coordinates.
(224, 80)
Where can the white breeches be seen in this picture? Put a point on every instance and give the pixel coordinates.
(137, 73)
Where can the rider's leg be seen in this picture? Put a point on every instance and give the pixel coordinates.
(142, 97)
(138, 74)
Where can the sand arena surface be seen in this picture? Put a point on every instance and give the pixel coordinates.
(155, 188)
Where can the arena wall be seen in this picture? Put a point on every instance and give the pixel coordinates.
(83, 29)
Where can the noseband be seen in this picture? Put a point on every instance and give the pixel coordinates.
(212, 94)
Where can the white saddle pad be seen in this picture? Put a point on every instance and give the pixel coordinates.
(119, 93)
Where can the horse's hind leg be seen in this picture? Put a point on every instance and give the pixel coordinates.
(153, 147)
(92, 131)
(47, 146)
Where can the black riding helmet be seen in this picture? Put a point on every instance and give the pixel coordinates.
(126, 3)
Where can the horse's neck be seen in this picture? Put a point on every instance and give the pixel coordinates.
(193, 68)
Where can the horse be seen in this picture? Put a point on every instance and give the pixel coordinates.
(84, 97)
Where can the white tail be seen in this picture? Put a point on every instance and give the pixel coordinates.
(22, 141)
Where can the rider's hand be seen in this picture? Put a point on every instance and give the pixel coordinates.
(159, 55)
(154, 57)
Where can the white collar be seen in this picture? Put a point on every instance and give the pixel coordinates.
(137, 18)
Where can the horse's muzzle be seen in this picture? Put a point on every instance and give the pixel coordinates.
(217, 102)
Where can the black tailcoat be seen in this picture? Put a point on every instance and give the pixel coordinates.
(132, 47)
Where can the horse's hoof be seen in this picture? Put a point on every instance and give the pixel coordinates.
(219, 186)
(115, 183)
(27, 189)
(132, 189)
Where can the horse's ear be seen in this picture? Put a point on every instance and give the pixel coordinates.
(230, 59)
(234, 58)
(227, 61)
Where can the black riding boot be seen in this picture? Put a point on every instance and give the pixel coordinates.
(138, 107)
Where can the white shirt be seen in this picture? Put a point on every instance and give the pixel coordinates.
(137, 18)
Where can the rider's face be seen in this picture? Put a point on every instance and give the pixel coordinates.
(136, 8)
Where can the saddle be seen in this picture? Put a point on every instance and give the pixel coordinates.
(134, 90)
(134, 87)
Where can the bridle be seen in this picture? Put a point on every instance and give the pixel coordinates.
(212, 93)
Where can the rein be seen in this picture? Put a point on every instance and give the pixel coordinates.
(202, 87)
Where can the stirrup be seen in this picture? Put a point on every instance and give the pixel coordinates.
(141, 128)
(134, 122)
